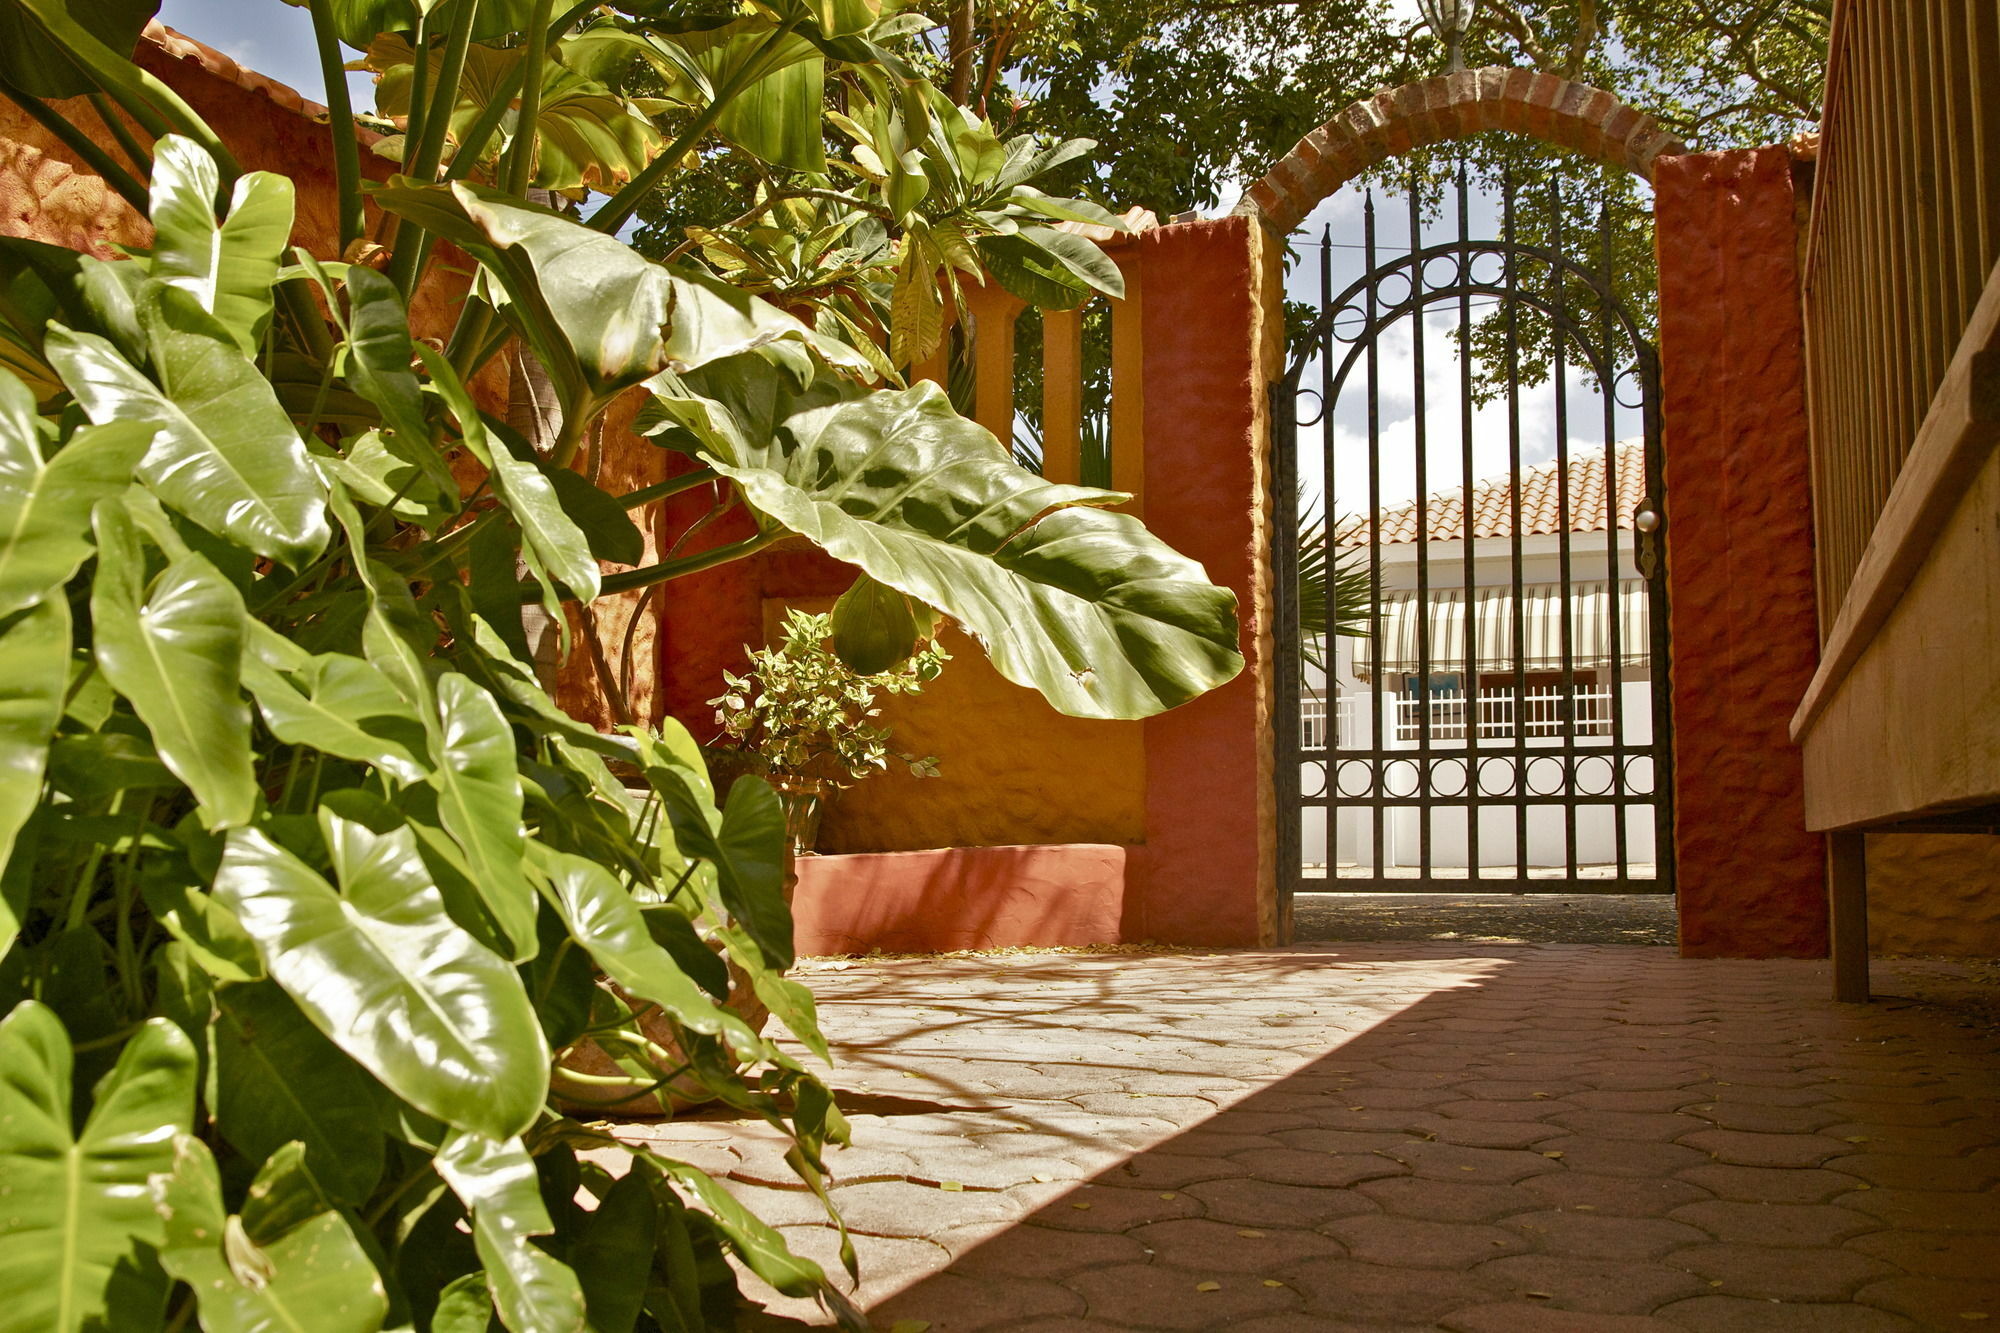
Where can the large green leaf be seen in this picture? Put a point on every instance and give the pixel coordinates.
(603, 918)
(552, 537)
(600, 316)
(173, 650)
(495, 1178)
(312, 1274)
(1085, 606)
(34, 661)
(78, 1229)
(36, 64)
(613, 1259)
(382, 970)
(344, 706)
(231, 267)
(478, 789)
(278, 1079)
(45, 503)
(745, 844)
(226, 454)
(759, 1245)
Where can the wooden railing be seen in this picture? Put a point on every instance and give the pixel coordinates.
(1904, 233)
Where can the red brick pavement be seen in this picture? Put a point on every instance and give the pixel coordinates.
(1397, 1136)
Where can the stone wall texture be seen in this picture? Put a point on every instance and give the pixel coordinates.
(1739, 552)
(1934, 893)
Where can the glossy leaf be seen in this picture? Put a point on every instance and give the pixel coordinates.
(173, 650)
(613, 1258)
(747, 848)
(278, 1079)
(479, 802)
(1085, 606)
(311, 1275)
(79, 1225)
(341, 705)
(547, 529)
(380, 352)
(45, 502)
(602, 916)
(229, 267)
(34, 660)
(604, 522)
(36, 64)
(759, 1245)
(495, 1178)
(383, 971)
(599, 316)
(226, 454)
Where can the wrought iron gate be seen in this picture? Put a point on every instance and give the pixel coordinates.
(1503, 723)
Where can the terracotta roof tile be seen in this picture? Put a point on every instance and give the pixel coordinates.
(1541, 503)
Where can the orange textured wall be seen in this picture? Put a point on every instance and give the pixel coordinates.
(1934, 893)
(1739, 551)
(1207, 874)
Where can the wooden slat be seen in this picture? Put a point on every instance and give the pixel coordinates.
(1952, 448)
(1847, 914)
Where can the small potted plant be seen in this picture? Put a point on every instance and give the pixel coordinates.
(807, 720)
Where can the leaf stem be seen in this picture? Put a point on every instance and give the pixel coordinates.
(340, 115)
(647, 575)
(519, 168)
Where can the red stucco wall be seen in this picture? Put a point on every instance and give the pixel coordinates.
(1739, 551)
(1204, 872)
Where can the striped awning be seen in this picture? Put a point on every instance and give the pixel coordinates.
(1492, 616)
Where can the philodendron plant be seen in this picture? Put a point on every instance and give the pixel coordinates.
(305, 880)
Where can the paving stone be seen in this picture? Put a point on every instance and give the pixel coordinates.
(1245, 1201)
(1734, 1314)
(1194, 1243)
(1411, 1242)
(1157, 1296)
(1924, 1210)
(1598, 1286)
(1621, 1157)
(1775, 1223)
(1372, 1294)
(1737, 1148)
(1643, 1126)
(1291, 1166)
(1033, 1251)
(896, 1209)
(1496, 1133)
(1900, 1171)
(1936, 1302)
(953, 1302)
(1538, 1317)
(1781, 1274)
(1759, 1184)
(1617, 1196)
(1758, 1118)
(1448, 1200)
(1931, 1254)
(1595, 1235)
(1098, 1207)
(1449, 1161)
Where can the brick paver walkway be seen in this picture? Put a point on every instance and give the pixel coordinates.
(1390, 1136)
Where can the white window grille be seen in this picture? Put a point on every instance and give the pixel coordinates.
(1501, 714)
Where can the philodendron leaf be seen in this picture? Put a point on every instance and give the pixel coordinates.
(173, 650)
(478, 787)
(341, 705)
(278, 1079)
(747, 848)
(1085, 606)
(78, 1230)
(599, 315)
(314, 1275)
(602, 916)
(226, 454)
(45, 502)
(34, 661)
(613, 1259)
(759, 1245)
(230, 267)
(34, 62)
(382, 970)
(495, 1178)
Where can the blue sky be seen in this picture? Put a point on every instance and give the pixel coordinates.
(269, 36)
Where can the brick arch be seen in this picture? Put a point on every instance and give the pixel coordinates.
(1454, 106)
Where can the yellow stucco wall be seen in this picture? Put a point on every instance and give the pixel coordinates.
(1013, 769)
(1934, 893)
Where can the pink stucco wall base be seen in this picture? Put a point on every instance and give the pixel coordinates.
(1056, 895)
